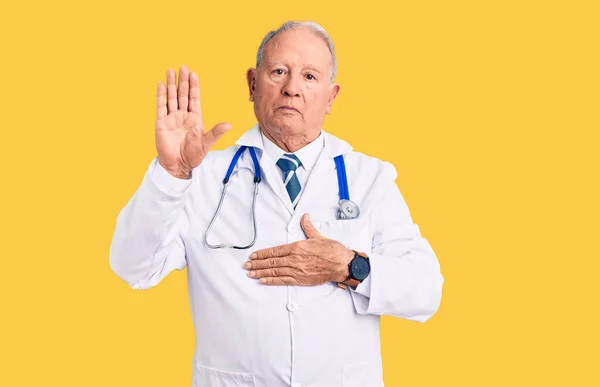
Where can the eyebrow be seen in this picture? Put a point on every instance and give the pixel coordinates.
(307, 67)
(313, 69)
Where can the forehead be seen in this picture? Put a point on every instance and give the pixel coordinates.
(300, 47)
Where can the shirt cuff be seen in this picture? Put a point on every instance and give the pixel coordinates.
(364, 288)
(166, 182)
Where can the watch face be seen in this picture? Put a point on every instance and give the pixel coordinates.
(360, 268)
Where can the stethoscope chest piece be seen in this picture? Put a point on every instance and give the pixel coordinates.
(348, 210)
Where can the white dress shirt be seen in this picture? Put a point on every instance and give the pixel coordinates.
(254, 335)
(307, 155)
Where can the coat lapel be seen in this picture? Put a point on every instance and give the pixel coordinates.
(322, 171)
(324, 165)
(270, 175)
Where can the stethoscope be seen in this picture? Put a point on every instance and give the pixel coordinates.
(347, 208)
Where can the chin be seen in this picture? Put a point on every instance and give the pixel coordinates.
(288, 125)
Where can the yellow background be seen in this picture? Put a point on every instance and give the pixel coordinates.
(488, 109)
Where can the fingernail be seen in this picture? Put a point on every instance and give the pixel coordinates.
(247, 265)
(253, 256)
(252, 274)
(263, 280)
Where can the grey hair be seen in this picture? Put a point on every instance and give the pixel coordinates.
(312, 27)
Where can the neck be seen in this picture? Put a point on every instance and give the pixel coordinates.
(290, 143)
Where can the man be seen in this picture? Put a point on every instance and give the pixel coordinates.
(300, 307)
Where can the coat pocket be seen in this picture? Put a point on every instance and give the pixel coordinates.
(363, 374)
(356, 234)
(212, 377)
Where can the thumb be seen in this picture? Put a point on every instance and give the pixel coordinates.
(307, 226)
(213, 135)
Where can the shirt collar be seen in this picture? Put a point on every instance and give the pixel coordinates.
(332, 145)
(307, 155)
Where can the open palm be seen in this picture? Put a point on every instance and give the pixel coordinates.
(181, 142)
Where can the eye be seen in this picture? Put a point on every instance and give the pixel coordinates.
(278, 71)
(310, 77)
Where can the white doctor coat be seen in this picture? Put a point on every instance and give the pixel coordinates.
(254, 335)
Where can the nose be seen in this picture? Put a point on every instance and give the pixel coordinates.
(292, 87)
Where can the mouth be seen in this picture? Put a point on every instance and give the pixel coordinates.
(288, 108)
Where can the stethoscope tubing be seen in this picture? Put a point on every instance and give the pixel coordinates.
(342, 179)
(257, 180)
(342, 183)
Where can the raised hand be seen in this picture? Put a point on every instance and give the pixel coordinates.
(181, 142)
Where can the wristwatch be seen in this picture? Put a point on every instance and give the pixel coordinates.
(358, 269)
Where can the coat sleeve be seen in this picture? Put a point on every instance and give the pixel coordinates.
(147, 244)
(405, 279)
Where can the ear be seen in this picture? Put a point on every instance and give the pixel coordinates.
(334, 89)
(251, 80)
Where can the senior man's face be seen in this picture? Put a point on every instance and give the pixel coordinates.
(292, 91)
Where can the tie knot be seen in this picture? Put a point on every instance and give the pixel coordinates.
(288, 162)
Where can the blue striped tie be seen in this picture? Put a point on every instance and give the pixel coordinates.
(288, 164)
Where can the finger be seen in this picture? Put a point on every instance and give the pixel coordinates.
(161, 101)
(171, 91)
(194, 103)
(213, 135)
(279, 281)
(269, 263)
(182, 89)
(307, 226)
(273, 272)
(277, 251)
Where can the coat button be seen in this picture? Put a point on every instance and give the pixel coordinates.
(292, 306)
